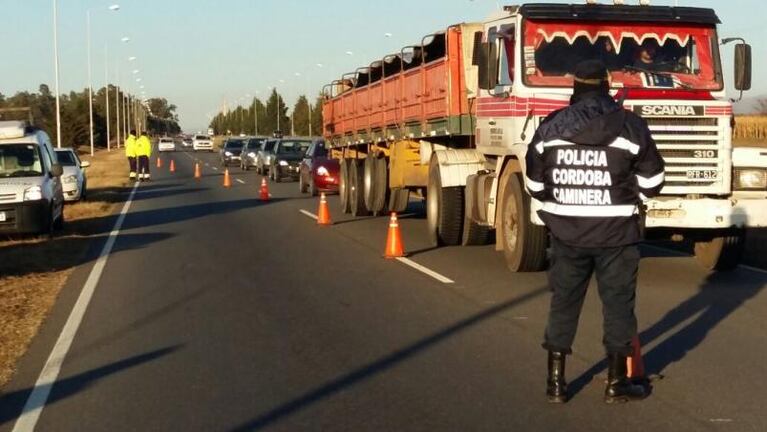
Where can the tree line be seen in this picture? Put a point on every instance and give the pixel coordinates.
(245, 119)
(75, 124)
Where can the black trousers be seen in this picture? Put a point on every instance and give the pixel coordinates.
(143, 167)
(132, 165)
(569, 276)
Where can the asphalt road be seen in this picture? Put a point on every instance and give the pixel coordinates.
(218, 312)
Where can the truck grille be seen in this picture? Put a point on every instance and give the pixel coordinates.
(4, 197)
(691, 148)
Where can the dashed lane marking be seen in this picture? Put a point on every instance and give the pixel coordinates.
(48, 376)
(408, 262)
(215, 168)
(308, 213)
(240, 181)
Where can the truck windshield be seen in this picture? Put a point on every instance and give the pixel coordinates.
(636, 55)
(20, 160)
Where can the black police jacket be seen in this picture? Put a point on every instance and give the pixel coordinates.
(591, 164)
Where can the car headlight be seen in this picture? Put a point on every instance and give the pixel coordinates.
(268, 159)
(70, 179)
(322, 171)
(283, 163)
(228, 153)
(251, 154)
(749, 179)
(33, 193)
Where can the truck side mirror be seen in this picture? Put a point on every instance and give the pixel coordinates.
(742, 66)
(480, 59)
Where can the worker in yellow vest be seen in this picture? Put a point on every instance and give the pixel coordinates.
(130, 153)
(143, 152)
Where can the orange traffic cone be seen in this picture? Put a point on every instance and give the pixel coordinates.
(394, 248)
(197, 173)
(159, 162)
(172, 167)
(264, 191)
(323, 214)
(634, 363)
(227, 180)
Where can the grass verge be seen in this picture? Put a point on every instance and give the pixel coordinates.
(33, 270)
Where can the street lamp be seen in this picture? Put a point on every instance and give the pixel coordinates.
(56, 71)
(90, 79)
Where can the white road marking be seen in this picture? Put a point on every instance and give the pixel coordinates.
(39, 396)
(240, 181)
(425, 270)
(405, 261)
(308, 213)
(215, 168)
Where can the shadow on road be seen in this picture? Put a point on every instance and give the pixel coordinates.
(719, 296)
(369, 370)
(61, 253)
(12, 403)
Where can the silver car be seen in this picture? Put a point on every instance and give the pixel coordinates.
(74, 181)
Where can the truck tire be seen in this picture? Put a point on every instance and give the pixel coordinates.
(356, 192)
(343, 186)
(444, 209)
(381, 183)
(369, 180)
(398, 199)
(474, 234)
(524, 244)
(721, 253)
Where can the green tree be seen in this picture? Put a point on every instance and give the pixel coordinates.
(301, 116)
(275, 106)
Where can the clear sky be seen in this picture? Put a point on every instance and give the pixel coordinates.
(198, 53)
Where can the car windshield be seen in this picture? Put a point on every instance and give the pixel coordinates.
(20, 160)
(293, 147)
(201, 137)
(636, 54)
(320, 150)
(269, 145)
(66, 158)
(166, 141)
(255, 144)
(234, 144)
(187, 140)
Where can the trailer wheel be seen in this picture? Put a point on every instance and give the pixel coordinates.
(343, 186)
(474, 234)
(721, 253)
(398, 199)
(444, 209)
(356, 193)
(379, 185)
(524, 244)
(368, 184)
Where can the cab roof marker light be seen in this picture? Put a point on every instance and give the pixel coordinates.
(618, 2)
(644, 2)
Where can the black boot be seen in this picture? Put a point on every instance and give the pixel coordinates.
(619, 387)
(556, 386)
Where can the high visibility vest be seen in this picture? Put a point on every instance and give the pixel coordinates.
(143, 146)
(130, 146)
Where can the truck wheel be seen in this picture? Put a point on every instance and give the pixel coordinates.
(343, 186)
(524, 244)
(398, 199)
(381, 183)
(444, 209)
(721, 253)
(356, 186)
(369, 186)
(474, 234)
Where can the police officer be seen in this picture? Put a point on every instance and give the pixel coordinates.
(130, 153)
(591, 165)
(143, 151)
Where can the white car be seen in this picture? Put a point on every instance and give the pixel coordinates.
(186, 142)
(31, 194)
(166, 144)
(202, 143)
(74, 181)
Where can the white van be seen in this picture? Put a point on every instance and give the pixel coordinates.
(202, 143)
(31, 194)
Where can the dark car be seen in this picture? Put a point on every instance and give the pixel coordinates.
(249, 155)
(231, 150)
(288, 154)
(265, 155)
(318, 172)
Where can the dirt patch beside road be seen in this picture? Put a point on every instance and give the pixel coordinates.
(33, 270)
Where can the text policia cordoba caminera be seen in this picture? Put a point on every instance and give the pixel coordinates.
(586, 176)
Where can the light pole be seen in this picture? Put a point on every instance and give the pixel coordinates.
(90, 79)
(56, 71)
(106, 91)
